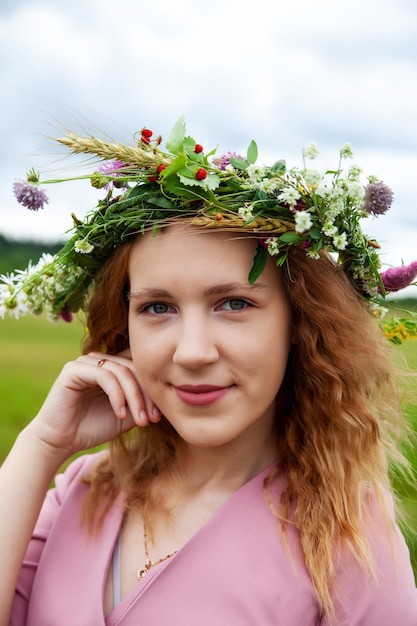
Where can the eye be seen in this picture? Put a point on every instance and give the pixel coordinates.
(157, 308)
(235, 304)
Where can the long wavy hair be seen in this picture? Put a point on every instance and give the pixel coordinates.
(338, 422)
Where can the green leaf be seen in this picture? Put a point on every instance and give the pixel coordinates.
(252, 153)
(239, 164)
(160, 201)
(279, 167)
(177, 164)
(187, 178)
(258, 264)
(176, 187)
(176, 136)
(315, 233)
(290, 238)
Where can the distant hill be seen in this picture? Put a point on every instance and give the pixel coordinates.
(17, 254)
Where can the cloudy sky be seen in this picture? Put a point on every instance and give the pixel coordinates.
(282, 73)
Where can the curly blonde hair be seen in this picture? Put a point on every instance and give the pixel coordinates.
(338, 422)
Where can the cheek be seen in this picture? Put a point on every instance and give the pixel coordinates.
(148, 353)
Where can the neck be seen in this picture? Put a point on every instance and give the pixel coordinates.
(228, 466)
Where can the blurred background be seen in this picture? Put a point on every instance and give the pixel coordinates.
(284, 74)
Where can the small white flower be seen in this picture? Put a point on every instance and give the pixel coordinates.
(312, 177)
(355, 191)
(323, 190)
(289, 196)
(335, 208)
(83, 246)
(255, 173)
(313, 254)
(273, 245)
(339, 241)
(311, 151)
(303, 221)
(329, 229)
(354, 172)
(246, 211)
(269, 185)
(346, 151)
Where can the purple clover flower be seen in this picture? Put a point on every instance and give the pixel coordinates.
(111, 167)
(397, 278)
(378, 198)
(222, 162)
(29, 195)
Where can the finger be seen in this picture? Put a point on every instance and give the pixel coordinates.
(123, 372)
(148, 411)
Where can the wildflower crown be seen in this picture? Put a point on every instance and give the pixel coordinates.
(147, 188)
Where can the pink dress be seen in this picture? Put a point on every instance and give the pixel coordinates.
(233, 572)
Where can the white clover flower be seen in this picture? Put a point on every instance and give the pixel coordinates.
(229, 169)
(346, 151)
(312, 254)
(273, 245)
(303, 221)
(340, 241)
(289, 196)
(83, 246)
(312, 177)
(246, 211)
(311, 151)
(329, 229)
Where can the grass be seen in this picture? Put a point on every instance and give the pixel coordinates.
(32, 352)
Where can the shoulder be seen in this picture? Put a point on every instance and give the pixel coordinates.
(79, 470)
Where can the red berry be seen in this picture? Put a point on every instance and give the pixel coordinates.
(152, 179)
(146, 135)
(198, 148)
(201, 174)
(161, 168)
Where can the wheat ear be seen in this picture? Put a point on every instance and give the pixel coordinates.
(107, 150)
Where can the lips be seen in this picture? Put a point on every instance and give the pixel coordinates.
(200, 395)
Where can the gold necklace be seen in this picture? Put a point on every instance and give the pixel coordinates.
(148, 563)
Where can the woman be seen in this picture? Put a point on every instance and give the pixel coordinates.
(250, 485)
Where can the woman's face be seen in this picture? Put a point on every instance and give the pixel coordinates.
(209, 348)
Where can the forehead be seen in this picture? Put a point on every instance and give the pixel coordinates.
(182, 248)
(183, 252)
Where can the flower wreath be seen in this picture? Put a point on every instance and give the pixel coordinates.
(147, 188)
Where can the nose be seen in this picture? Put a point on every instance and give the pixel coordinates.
(196, 343)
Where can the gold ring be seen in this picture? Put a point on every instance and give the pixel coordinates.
(100, 362)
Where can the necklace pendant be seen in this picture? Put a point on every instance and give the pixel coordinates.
(144, 570)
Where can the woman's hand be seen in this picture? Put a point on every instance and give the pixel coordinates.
(95, 398)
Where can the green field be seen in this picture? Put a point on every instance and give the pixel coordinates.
(33, 350)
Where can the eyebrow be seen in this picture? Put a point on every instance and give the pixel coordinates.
(216, 290)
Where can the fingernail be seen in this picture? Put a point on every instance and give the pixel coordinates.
(123, 411)
(143, 416)
(156, 412)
